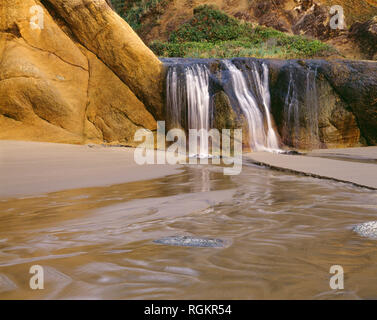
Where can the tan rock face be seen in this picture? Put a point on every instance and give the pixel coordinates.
(108, 36)
(54, 89)
(113, 112)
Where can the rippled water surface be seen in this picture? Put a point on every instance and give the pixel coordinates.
(282, 234)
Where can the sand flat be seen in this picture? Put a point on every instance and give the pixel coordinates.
(363, 153)
(361, 174)
(34, 168)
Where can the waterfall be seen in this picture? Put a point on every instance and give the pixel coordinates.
(272, 139)
(301, 112)
(188, 99)
(312, 103)
(260, 139)
(291, 111)
(197, 84)
(173, 98)
(189, 96)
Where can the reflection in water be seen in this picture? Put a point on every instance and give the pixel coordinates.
(282, 235)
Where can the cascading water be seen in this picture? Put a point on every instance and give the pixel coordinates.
(301, 113)
(291, 111)
(272, 139)
(174, 98)
(197, 84)
(188, 89)
(312, 101)
(189, 99)
(259, 140)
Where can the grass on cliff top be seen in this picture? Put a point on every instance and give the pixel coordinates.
(211, 33)
(134, 11)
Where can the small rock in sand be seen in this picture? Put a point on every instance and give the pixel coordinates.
(367, 229)
(188, 241)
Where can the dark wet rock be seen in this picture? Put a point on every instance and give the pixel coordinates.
(292, 153)
(224, 116)
(315, 103)
(308, 110)
(115, 145)
(188, 241)
(367, 229)
(355, 82)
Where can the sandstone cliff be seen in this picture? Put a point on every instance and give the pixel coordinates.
(73, 71)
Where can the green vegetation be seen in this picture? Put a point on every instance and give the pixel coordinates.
(209, 24)
(236, 48)
(211, 33)
(134, 11)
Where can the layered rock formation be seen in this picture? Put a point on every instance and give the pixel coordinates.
(356, 84)
(314, 103)
(73, 71)
(322, 104)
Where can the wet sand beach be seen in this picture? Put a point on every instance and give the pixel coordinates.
(30, 168)
(93, 221)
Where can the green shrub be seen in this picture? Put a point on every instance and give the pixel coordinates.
(239, 48)
(134, 11)
(209, 24)
(211, 33)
